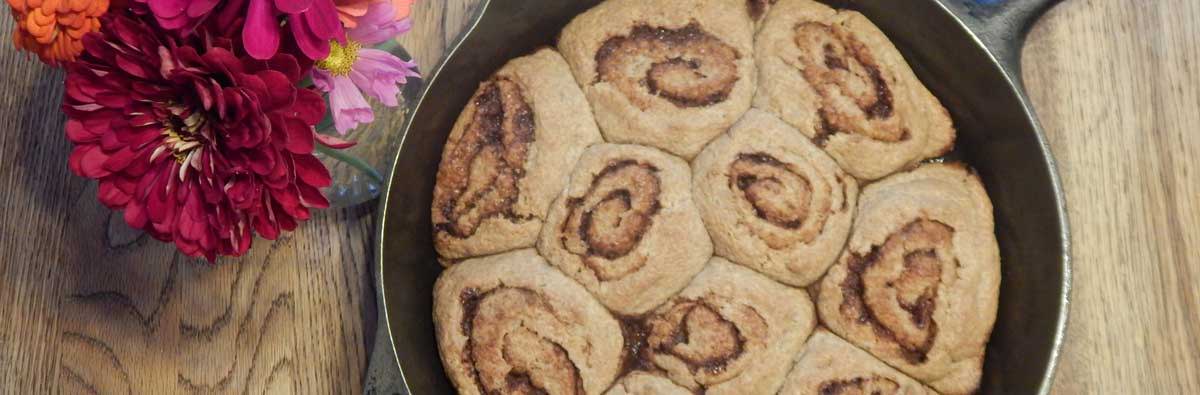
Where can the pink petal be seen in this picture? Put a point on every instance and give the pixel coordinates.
(293, 6)
(379, 73)
(261, 32)
(322, 21)
(378, 25)
(349, 106)
(312, 45)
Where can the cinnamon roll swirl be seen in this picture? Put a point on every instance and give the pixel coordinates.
(829, 366)
(510, 324)
(732, 331)
(670, 74)
(643, 383)
(918, 283)
(836, 77)
(508, 157)
(773, 201)
(619, 227)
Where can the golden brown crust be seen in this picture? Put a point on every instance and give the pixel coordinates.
(773, 201)
(670, 74)
(508, 156)
(919, 281)
(840, 81)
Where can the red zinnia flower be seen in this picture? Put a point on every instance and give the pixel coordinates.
(198, 146)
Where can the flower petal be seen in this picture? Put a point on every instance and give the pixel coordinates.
(261, 33)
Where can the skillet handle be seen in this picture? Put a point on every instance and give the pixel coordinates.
(1002, 25)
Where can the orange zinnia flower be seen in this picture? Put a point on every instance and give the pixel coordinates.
(403, 8)
(350, 10)
(54, 29)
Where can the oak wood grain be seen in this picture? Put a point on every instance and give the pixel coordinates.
(1117, 86)
(89, 306)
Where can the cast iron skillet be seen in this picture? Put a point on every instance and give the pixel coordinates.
(966, 51)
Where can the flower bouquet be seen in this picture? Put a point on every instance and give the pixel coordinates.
(202, 119)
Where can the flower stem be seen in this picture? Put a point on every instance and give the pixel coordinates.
(353, 161)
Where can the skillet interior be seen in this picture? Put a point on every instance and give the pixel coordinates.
(996, 137)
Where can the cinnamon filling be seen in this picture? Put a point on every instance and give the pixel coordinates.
(793, 206)
(874, 385)
(479, 177)
(506, 349)
(894, 288)
(758, 8)
(686, 66)
(635, 356)
(856, 97)
(779, 195)
(707, 338)
(610, 220)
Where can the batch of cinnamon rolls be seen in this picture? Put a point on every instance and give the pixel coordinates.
(711, 197)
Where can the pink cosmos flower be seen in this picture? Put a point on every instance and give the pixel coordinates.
(355, 68)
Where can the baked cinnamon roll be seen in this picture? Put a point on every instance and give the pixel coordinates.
(918, 283)
(508, 157)
(510, 324)
(829, 366)
(836, 77)
(732, 331)
(643, 383)
(670, 74)
(773, 201)
(626, 227)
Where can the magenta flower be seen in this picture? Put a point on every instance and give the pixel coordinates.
(180, 14)
(198, 145)
(313, 24)
(350, 70)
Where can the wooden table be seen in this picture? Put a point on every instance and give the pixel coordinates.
(88, 306)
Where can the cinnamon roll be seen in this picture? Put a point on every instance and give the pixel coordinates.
(643, 383)
(508, 157)
(619, 227)
(918, 283)
(670, 74)
(732, 331)
(773, 201)
(836, 77)
(829, 366)
(510, 324)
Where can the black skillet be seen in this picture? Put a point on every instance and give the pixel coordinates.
(966, 51)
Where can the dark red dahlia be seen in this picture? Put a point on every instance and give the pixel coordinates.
(197, 145)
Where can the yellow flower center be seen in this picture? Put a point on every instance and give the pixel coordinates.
(183, 137)
(341, 58)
